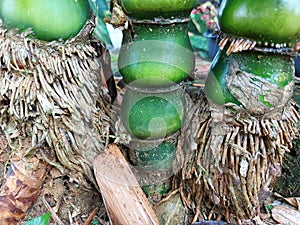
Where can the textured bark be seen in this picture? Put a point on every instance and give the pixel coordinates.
(52, 96)
(246, 87)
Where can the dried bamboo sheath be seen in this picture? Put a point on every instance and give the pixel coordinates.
(52, 92)
(20, 189)
(238, 44)
(238, 156)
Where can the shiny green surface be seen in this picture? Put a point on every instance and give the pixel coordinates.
(149, 9)
(277, 69)
(152, 115)
(50, 20)
(274, 68)
(156, 55)
(272, 21)
(154, 156)
(215, 86)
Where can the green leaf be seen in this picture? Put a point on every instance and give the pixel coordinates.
(101, 10)
(268, 208)
(101, 32)
(199, 42)
(200, 45)
(95, 222)
(198, 25)
(41, 220)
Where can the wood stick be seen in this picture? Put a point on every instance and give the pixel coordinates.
(225, 148)
(120, 189)
(53, 213)
(91, 216)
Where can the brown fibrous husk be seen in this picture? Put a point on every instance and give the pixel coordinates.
(231, 159)
(54, 94)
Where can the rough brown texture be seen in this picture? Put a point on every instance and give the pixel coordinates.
(52, 92)
(20, 189)
(240, 84)
(236, 159)
(54, 110)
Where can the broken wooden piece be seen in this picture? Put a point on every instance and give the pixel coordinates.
(122, 193)
(285, 215)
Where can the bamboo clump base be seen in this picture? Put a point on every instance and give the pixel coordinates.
(53, 94)
(233, 159)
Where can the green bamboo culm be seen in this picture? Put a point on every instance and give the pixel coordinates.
(155, 58)
(247, 120)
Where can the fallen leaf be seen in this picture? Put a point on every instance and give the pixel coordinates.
(293, 201)
(41, 220)
(20, 189)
